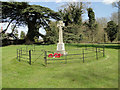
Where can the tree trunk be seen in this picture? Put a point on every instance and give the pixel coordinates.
(104, 38)
(31, 33)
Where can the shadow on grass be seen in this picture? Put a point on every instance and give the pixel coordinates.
(96, 45)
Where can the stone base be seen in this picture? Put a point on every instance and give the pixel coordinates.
(62, 52)
(61, 48)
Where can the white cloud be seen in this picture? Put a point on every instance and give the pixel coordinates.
(109, 1)
(58, 1)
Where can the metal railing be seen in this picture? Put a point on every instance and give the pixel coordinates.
(27, 55)
(83, 55)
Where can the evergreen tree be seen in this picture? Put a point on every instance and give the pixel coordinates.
(52, 33)
(92, 24)
(72, 33)
(72, 17)
(72, 13)
(34, 16)
(111, 30)
(12, 13)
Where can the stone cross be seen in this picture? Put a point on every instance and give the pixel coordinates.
(60, 25)
(60, 45)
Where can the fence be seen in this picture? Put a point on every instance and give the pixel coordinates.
(83, 55)
(20, 55)
(28, 54)
(33, 54)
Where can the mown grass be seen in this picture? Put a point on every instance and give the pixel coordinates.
(101, 73)
(0, 68)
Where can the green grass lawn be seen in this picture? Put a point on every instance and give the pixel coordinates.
(101, 73)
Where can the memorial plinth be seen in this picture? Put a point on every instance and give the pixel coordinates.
(60, 45)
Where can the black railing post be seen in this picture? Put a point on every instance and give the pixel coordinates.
(45, 58)
(86, 47)
(96, 54)
(26, 50)
(103, 50)
(66, 59)
(30, 57)
(19, 54)
(21, 51)
(93, 47)
(83, 55)
(34, 47)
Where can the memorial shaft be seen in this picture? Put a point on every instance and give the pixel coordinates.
(60, 35)
(60, 45)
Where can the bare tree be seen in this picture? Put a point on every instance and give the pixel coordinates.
(102, 21)
(114, 17)
(116, 4)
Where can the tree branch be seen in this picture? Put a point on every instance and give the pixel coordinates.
(7, 26)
